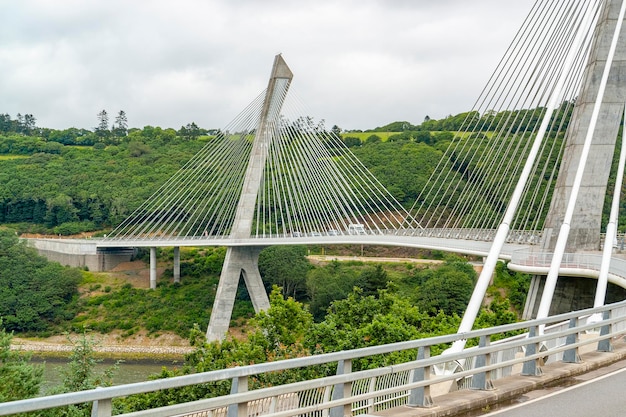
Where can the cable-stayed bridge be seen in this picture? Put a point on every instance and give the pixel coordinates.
(526, 179)
(530, 168)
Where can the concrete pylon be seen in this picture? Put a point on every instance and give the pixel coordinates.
(586, 222)
(243, 261)
(578, 293)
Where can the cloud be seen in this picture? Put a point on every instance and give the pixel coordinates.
(357, 64)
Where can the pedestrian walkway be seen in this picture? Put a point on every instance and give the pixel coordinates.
(512, 387)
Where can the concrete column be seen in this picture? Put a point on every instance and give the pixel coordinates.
(586, 221)
(239, 261)
(176, 271)
(153, 268)
(243, 261)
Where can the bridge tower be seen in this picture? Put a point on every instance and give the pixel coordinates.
(585, 224)
(242, 261)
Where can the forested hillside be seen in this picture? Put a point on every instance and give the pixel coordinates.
(77, 180)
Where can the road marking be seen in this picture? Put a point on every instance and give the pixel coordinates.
(564, 390)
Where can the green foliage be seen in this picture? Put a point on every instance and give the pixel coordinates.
(19, 378)
(277, 334)
(285, 323)
(35, 295)
(361, 321)
(403, 167)
(372, 279)
(89, 188)
(447, 289)
(171, 307)
(514, 284)
(329, 283)
(286, 267)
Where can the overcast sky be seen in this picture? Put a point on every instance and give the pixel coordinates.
(356, 63)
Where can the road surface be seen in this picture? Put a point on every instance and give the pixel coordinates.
(603, 396)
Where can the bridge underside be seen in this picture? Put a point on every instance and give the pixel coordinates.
(570, 294)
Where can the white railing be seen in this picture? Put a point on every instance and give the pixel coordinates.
(574, 261)
(352, 393)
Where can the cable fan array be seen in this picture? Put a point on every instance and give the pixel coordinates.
(311, 185)
(473, 182)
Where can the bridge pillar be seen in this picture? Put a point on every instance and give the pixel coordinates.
(153, 268)
(176, 268)
(586, 222)
(239, 262)
(243, 261)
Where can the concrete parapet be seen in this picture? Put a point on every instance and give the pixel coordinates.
(81, 253)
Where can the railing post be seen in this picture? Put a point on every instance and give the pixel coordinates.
(605, 344)
(101, 408)
(482, 380)
(532, 367)
(239, 384)
(571, 355)
(342, 390)
(371, 402)
(420, 397)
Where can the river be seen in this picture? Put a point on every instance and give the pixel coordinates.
(128, 371)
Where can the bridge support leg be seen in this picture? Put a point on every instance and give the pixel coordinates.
(153, 268)
(176, 271)
(239, 261)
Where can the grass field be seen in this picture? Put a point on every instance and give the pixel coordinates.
(364, 135)
(6, 157)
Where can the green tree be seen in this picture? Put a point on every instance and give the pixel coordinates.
(372, 279)
(449, 289)
(102, 130)
(20, 379)
(35, 294)
(351, 141)
(120, 127)
(327, 284)
(286, 267)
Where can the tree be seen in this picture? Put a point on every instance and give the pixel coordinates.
(449, 289)
(102, 130)
(351, 141)
(372, 139)
(29, 124)
(34, 294)
(285, 323)
(373, 279)
(327, 284)
(190, 132)
(336, 130)
(20, 379)
(5, 123)
(286, 267)
(120, 127)
(19, 123)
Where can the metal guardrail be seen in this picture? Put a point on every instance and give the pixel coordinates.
(530, 237)
(352, 393)
(574, 261)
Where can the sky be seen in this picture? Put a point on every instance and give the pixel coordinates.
(357, 64)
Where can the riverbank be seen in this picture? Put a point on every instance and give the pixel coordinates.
(163, 347)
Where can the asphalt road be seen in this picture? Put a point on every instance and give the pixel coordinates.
(603, 396)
